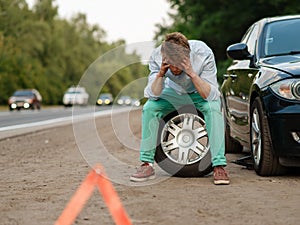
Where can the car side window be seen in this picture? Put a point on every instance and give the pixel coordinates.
(246, 35)
(252, 40)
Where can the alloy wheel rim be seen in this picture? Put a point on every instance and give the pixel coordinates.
(184, 139)
(256, 141)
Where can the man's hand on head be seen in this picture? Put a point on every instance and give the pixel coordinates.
(163, 68)
(187, 67)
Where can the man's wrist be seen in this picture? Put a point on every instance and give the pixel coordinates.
(160, 74)
(193, 75)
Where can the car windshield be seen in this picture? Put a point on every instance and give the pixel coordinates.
(23, 93)
(282, 38)
(74, 92)
(105, 95)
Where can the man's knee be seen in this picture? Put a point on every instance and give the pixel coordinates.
(158, 108)
(210, 106)
(151, 105)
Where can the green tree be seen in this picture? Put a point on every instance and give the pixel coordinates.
(220, 23)
(45, 10)
(40, 50)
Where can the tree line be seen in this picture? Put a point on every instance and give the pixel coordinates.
(220, 23)
(40, 50)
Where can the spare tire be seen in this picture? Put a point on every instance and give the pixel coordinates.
(182, 144)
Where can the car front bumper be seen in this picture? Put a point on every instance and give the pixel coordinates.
(19, 105)
(284, 123)
(73, 102)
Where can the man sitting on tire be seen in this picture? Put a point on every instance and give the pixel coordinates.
(182, 72)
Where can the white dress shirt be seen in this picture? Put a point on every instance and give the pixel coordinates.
(203, 63)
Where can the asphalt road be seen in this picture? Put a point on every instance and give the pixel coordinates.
(10, 118)
(18, 122)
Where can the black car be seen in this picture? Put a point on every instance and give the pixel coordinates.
(261, 95)
(105, 99)
(25, 99)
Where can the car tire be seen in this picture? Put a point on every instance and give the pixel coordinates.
(173, 134)
(264, 161)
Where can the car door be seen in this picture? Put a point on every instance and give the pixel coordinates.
(236, 89)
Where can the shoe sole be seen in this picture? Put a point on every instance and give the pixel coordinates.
(136, 179)
(219, 182)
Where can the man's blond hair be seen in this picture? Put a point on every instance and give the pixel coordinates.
(175, 47)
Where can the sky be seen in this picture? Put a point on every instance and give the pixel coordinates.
(131, 20)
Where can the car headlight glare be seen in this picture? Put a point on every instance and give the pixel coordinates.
(296, 89)
(26, 105)
(289, 89)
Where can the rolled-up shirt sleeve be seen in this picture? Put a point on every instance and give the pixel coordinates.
(203, 61)
(154, 67)
(209, 74)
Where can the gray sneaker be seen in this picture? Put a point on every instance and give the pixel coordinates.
(144, 172)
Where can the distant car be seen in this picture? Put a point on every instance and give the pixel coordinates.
(75, 96)
(124, 100)
(135, 102)
(261, 95)
(25, 99)
(105, 99)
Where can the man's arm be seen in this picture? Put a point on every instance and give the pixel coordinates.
(157, 84)
(155, 79)
(203, 87)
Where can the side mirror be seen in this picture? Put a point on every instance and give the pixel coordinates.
(238, 51)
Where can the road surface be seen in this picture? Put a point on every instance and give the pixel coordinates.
(40, 172)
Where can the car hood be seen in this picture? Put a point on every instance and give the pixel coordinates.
(20, 98)
(289, 64)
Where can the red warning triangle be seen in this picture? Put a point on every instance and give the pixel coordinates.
(96, 177)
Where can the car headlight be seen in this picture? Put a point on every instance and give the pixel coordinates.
(289, 89)
(26, 105)
(13, 105)
(296, 89)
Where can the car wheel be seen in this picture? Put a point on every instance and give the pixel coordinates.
(265, 162)
(183, 147)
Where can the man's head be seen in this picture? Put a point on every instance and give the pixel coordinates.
(174, 49)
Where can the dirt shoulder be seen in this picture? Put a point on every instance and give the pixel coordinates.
(41, 171)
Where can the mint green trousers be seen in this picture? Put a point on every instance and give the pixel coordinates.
(155, 110)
